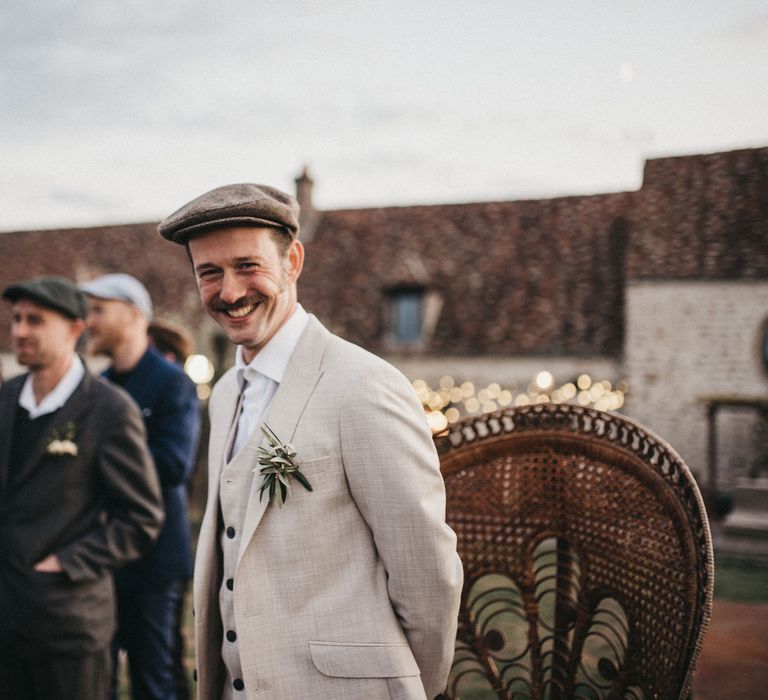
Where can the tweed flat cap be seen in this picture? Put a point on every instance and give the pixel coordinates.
(52, 292)
(232, 205)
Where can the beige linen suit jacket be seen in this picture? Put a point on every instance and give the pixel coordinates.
(351, 591)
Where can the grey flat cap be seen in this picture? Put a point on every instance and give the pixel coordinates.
(233, 205)
(56, 293)
(121, 287)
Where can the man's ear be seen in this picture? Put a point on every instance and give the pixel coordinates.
(77, 329)
(137, 315)
(294, 260)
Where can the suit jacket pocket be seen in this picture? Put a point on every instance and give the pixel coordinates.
(317, 465)
(342, 660)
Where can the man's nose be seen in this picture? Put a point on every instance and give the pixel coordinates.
(232, 288)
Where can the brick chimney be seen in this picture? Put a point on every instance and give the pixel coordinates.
(309, 217)
(304, 185)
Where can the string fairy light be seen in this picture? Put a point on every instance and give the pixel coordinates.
(451, 400)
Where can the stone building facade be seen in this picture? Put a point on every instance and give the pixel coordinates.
(665, 287)
(689, 343)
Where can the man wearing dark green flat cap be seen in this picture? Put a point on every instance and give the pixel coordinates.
(78, 497)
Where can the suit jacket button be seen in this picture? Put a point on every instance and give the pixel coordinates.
(238, 684)
(231, 636)
(230, 532)
(194, 675)
(230, 584)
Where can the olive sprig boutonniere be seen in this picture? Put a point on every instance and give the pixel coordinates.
(279, 465)
(62, 442)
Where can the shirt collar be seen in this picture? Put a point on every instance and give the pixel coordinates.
(272, 360)
(56, 398)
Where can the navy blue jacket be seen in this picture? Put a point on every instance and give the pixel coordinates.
(168, 402)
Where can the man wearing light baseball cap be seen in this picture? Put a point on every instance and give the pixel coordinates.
(150, 590)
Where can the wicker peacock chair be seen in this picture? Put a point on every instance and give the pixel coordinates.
(587, 557)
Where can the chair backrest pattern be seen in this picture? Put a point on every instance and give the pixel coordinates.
(587, 557)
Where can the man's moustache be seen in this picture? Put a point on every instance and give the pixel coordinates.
(219, 305)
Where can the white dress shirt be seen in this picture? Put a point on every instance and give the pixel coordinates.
(260, 378)
(55, 399)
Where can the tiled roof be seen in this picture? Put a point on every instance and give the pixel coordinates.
(82, 254)
(541, 277)
(530, 277)
(702, 217)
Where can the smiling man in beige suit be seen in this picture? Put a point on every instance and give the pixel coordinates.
(347, 591)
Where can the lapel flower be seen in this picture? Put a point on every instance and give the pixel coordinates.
(62, 442)
(278, 465)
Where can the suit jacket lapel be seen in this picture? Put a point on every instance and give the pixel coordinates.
(301, 377)
(7, 419)
(223, 420)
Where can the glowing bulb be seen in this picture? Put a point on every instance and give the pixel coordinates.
(199, 369)
(544, 379)
(452, 414)
(434, 401)
(437, 421)
(203, 392)
(422, 390)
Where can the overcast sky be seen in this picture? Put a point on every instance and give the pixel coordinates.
(117, 112)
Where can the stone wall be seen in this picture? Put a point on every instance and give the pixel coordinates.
(687, 342)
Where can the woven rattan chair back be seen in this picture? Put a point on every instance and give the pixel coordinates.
(587, 557)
